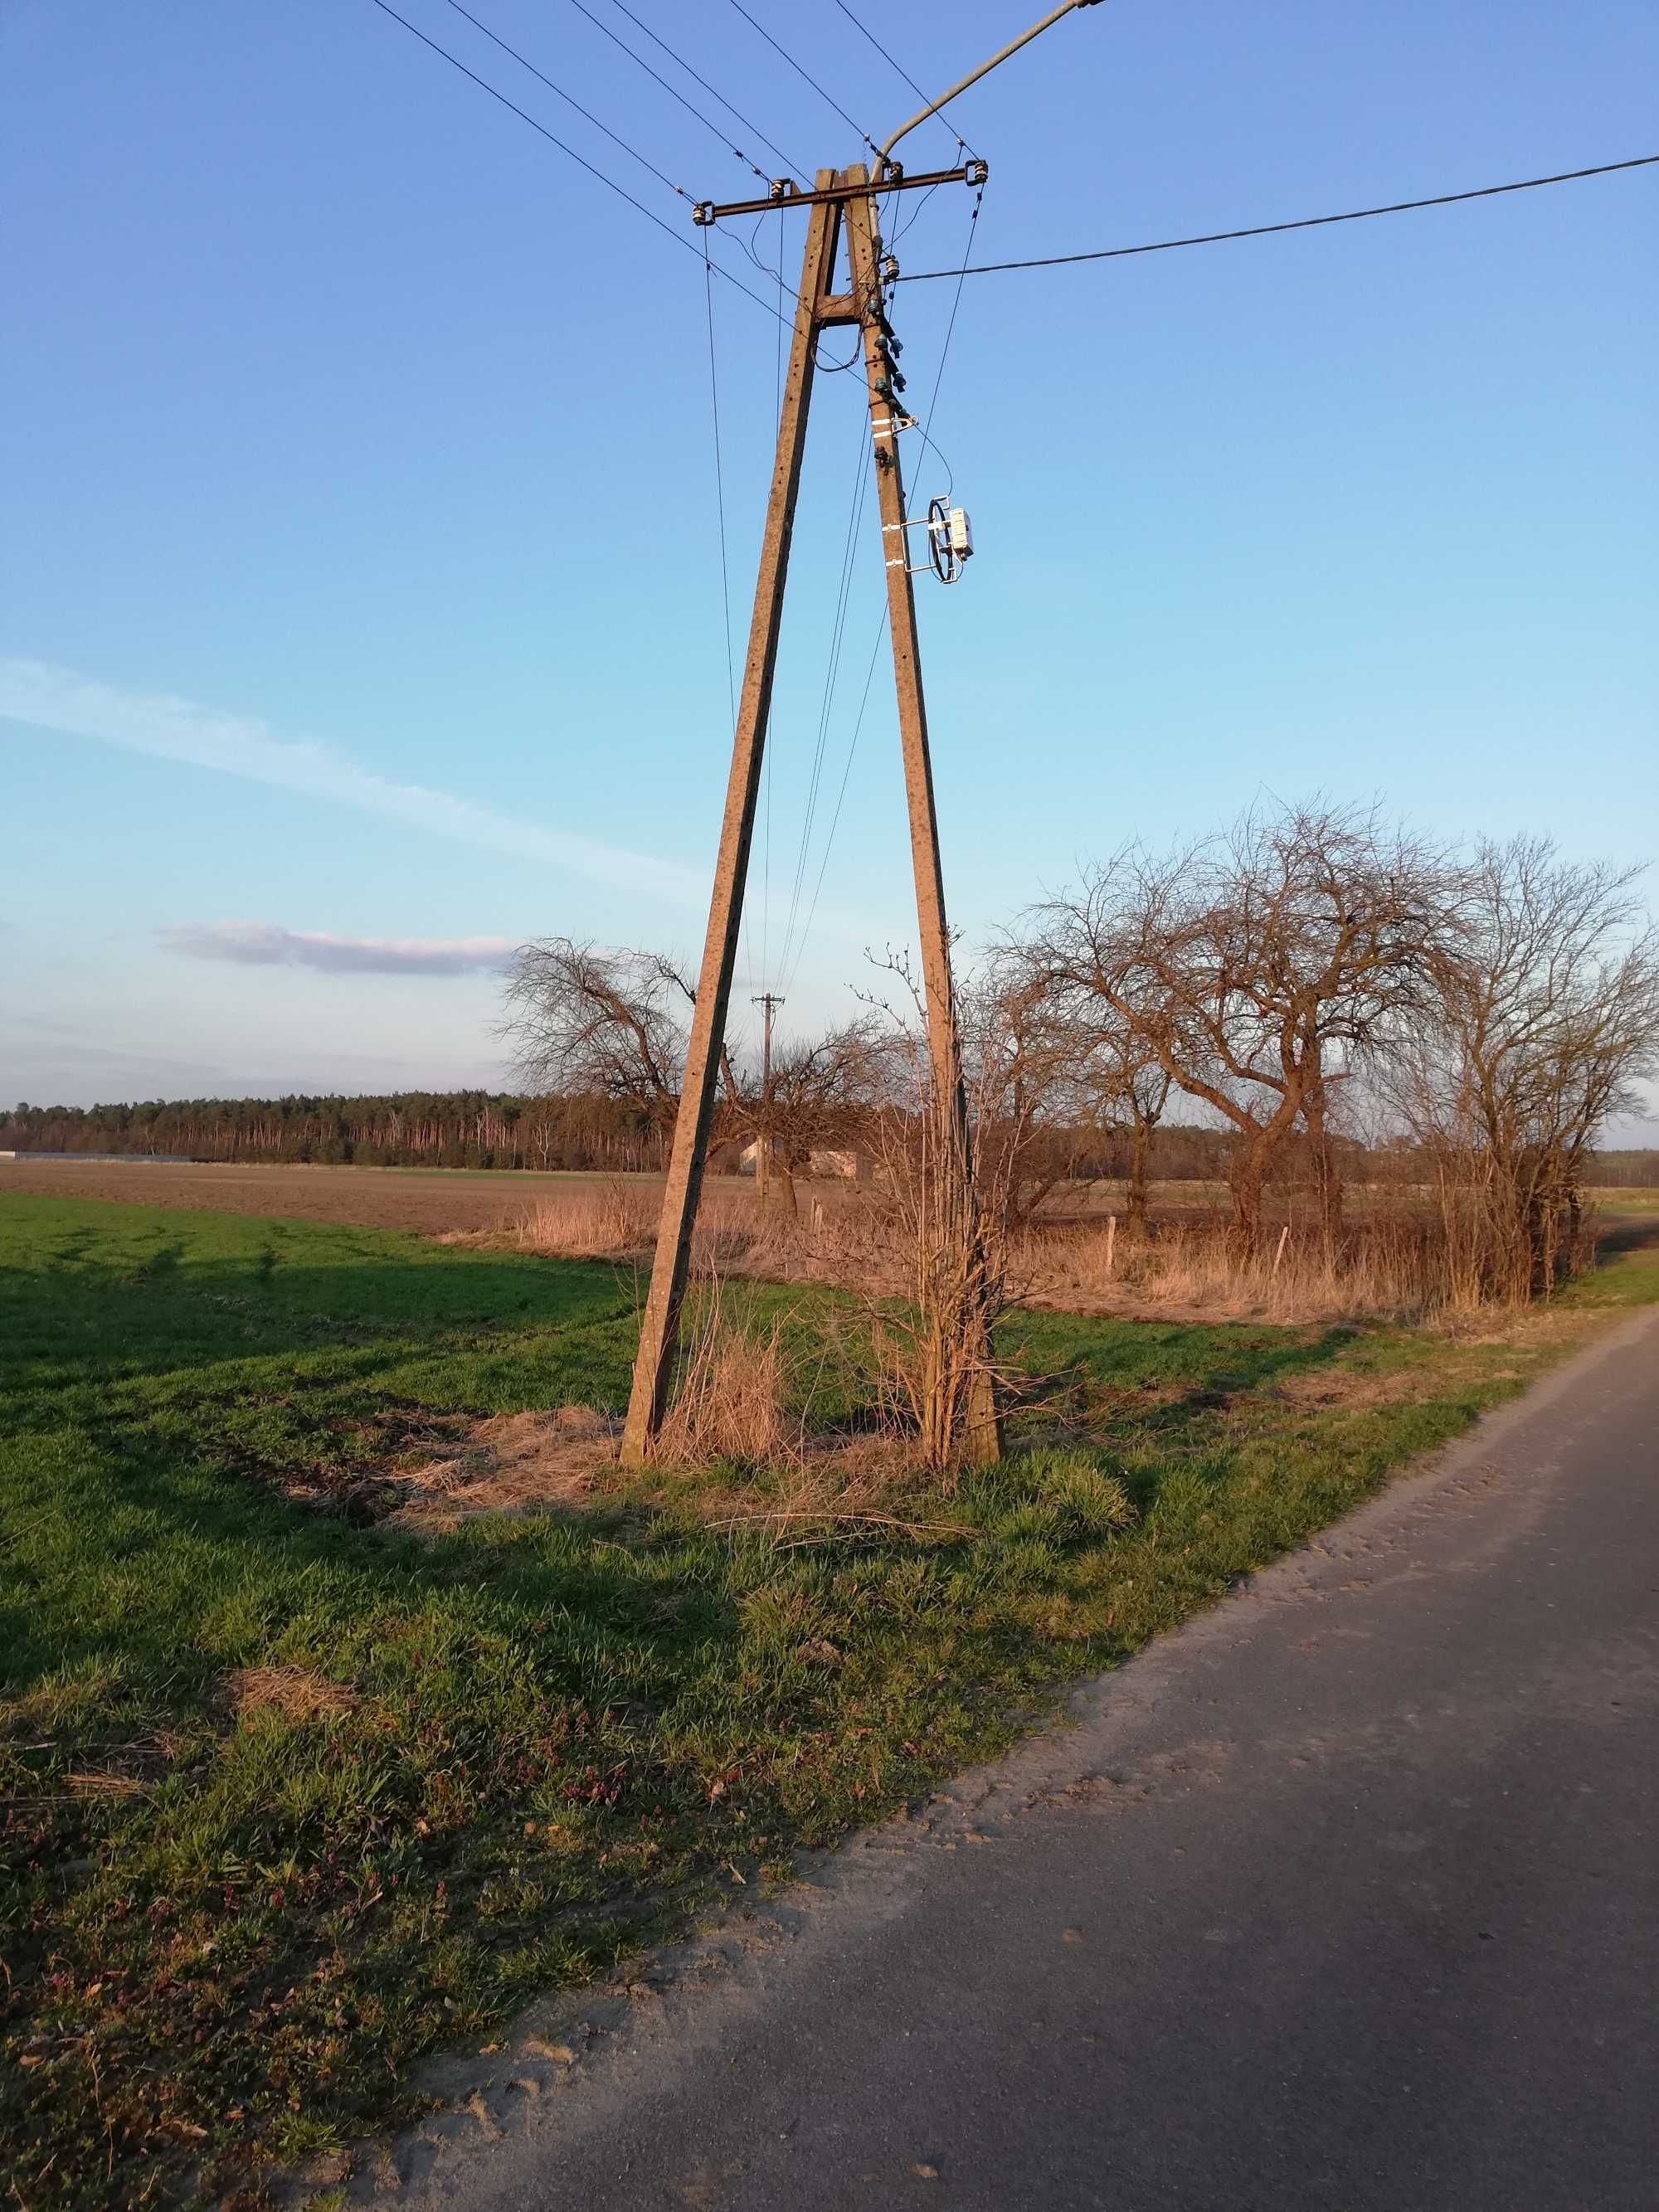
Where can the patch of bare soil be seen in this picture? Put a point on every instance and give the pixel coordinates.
(432, 1203)
(515, 1463)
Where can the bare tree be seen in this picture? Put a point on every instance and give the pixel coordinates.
(1546, 1020)
(1019, 1067)
(823, 1093)
(1125, 1087)
(612, 1023)
(1250, 967)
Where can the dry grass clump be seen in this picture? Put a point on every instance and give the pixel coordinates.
(1394, 1269)
(589, 1220)
(511, 1463)
(1399, 1260)
(618, 1220)
(105, 1785)
(731, 1400)
(836, 1243)
(298, 1693)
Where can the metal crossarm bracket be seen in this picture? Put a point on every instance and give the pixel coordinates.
(786, 192)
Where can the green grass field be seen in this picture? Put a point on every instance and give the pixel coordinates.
(537, 1743)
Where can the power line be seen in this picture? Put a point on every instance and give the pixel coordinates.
(720, 503)
(720, 484)
(949, 327)
(759, 137)
(1268, 229)
(909, 222)
(899, 67)
(925, 427)
(841, 796)
(524, 62)
(673, 93)
(609, 183)
(838, 631)
(800, 72)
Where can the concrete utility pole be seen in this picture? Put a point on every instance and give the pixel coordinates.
(769, 1000)
(659, 1325)
(851, 194)
(943, 1047)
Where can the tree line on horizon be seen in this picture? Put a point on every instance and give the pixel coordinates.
(580, 1132)
(584, 1133)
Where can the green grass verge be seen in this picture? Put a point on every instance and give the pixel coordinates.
(225, 1939)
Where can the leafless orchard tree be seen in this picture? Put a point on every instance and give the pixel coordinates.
(824, 1093)
(613, 1024)
(1545, 1019)
(1249, 968)
(581, 1018)
(1125, 1087)
(1020, 1059)
(1094, 1072)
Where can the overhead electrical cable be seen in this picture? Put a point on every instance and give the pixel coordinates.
(672, 90)
(777, 410)
(758, 135)
(900, 69)
(907, 223)
(525, 61)
(719, 487)
(749, 247)
(553, 139)
(803, 74)
(837, 634)
(949, 327)
(1269, 229)
(845, 774)
(719, 508)
(926, 427)
(826, 706)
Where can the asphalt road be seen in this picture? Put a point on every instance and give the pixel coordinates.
(1346, 1895)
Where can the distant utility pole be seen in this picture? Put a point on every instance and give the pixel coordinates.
(769, 1000)
(837, 198)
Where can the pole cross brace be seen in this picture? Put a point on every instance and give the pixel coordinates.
(786, 194)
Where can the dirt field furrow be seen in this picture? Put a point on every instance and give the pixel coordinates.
(370, 1198)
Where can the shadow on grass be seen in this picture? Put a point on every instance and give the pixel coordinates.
(544, 1735)
(1627, 1234)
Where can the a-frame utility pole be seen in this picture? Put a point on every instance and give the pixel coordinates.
(835, 194)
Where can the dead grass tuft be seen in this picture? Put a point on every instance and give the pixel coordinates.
(732, 1399)
(105, 1785)
(835, 1241)
(298, 1693)
(1351, 1389)
(1394, 1271)
(512, 1463)
(1388, 1267)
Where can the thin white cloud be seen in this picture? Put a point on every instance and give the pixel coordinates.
(52, 698)
(267, 944)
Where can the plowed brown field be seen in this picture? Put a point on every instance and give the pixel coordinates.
(374, 1198)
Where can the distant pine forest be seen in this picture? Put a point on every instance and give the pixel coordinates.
(487, 1129)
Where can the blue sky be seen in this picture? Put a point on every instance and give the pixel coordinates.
(361, 584)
